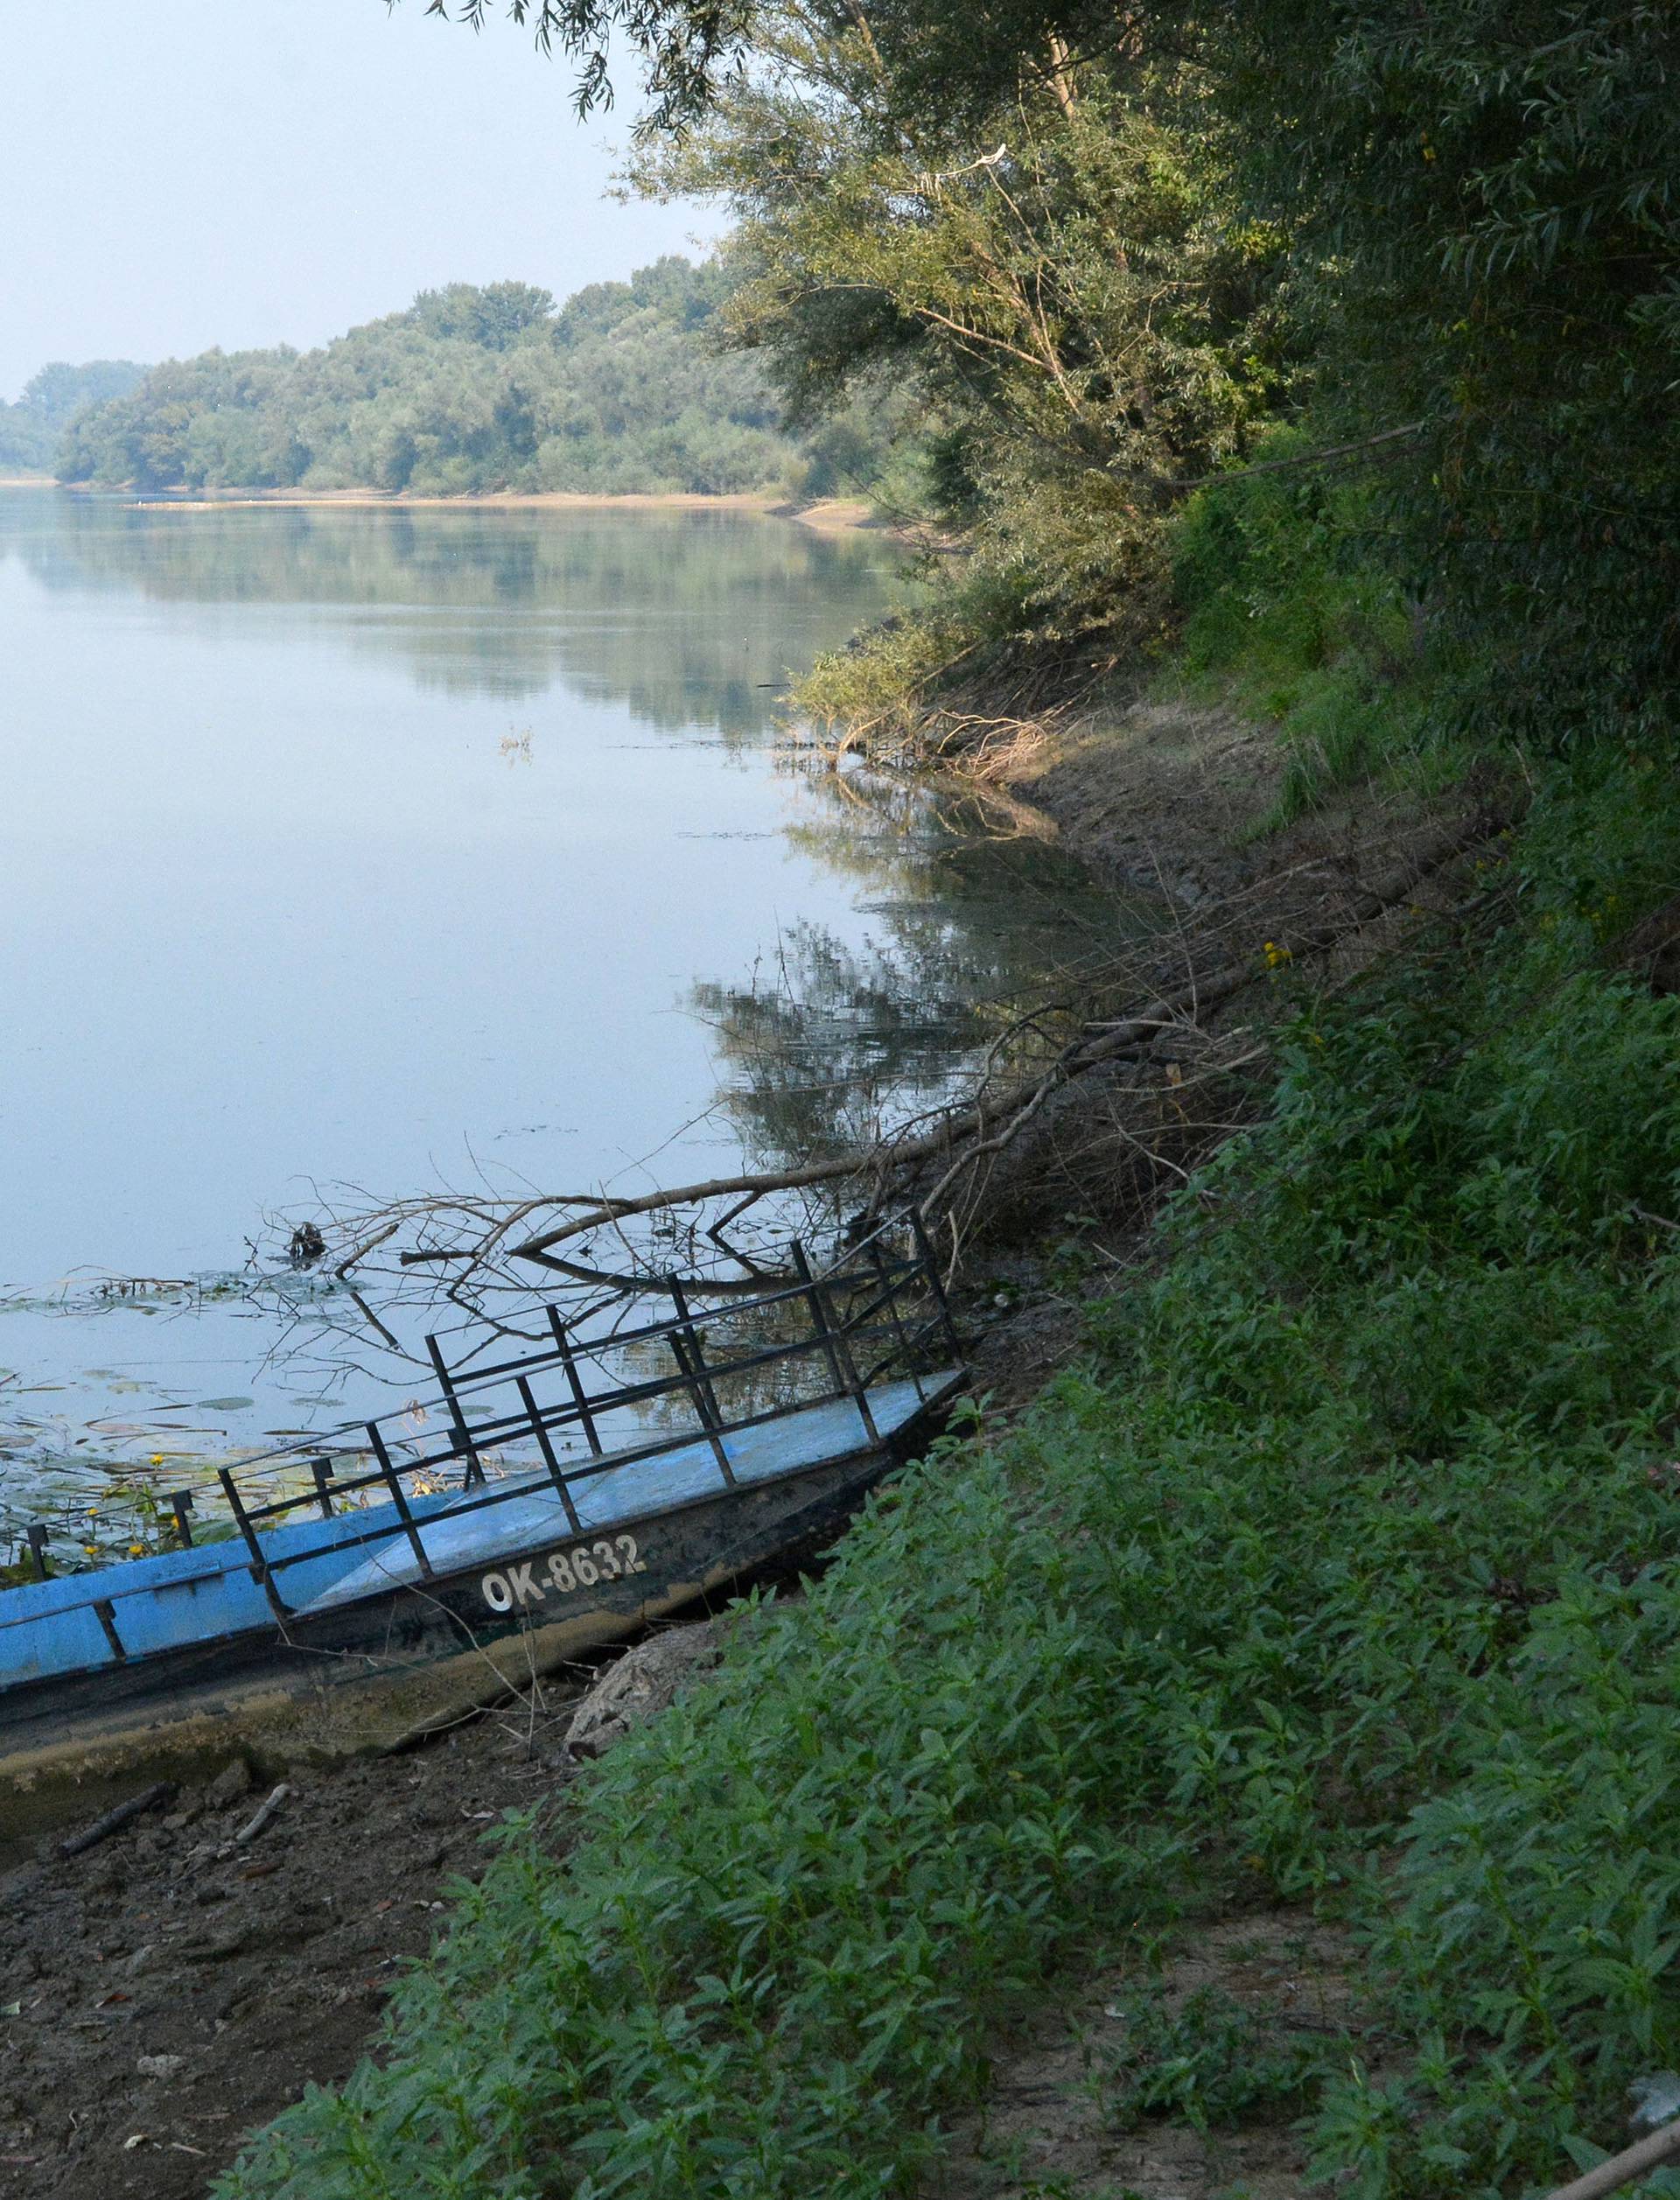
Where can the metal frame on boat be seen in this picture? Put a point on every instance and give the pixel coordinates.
(516, 1503)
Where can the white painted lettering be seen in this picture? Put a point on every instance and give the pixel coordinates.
(525, 1587)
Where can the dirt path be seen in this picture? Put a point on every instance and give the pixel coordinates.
(1177, 798)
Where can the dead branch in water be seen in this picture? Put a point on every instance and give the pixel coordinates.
(1172, 1088)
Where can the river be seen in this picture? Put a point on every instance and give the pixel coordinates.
(392, 849)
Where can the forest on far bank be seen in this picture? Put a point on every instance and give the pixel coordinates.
(31, 430)
(622, 389)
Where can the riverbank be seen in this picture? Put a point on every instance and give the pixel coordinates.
(1302, 1600)
(1122, 1804)
(827, 515)
(1123, 1709)
(167, 1989)
(1332, 1576)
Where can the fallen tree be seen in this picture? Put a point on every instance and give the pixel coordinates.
(1183, 1059)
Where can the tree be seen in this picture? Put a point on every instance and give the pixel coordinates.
(31, 430)
(473, 388)
(1083, 311)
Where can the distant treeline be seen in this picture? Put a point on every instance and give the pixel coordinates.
(622, 389)
(31, 430)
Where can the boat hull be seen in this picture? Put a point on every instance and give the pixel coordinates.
(376, 1673)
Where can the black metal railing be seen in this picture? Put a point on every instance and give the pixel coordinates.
(871, 1311)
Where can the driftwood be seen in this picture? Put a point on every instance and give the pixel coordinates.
(276, 1796)
(1631, 2163)
(114, 1821)
(639, 1685)
(981, 1132)
(1130, 1035)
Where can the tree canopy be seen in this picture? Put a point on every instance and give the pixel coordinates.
(472, 388)
(1112, 252)
(31, 429)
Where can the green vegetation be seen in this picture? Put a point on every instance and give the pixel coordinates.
(622, 389)
(1438, 257)
(1342, 1572)
(1210, 2064)
(31, 431)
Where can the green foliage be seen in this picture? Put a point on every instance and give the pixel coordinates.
(1082, 316)
(882, 676)
(1211, 2062)
(790, 1894)
(1465, 214)
(1488, 192)
(1342, 1572)
(1107, 252)
(470, 390)
(682, 48)
(1290, 612)
(30, 430)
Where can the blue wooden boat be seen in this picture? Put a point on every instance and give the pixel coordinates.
(357, 1592)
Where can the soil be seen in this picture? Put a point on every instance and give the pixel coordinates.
(166, 1991)
(1048, 2126)
(1175, 798)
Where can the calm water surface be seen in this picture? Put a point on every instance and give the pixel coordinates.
(397, 850)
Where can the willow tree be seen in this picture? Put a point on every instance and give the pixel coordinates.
(1472, 209)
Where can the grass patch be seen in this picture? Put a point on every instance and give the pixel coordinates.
(1209, 2063)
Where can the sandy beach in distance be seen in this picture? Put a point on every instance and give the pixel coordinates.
(832, 513)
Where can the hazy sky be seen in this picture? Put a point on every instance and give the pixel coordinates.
(191, 173)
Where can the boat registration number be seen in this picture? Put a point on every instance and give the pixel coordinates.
(562, 1573)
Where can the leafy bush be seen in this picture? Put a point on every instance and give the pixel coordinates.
(470, 390)
(31, 430)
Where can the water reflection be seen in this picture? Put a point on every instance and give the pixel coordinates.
(833, 1038)
(296, 900)
(690, 617)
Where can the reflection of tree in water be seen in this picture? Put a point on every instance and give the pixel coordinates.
(830, 1041)
(689, 617)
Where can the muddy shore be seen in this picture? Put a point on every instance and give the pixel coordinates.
(162, 1992)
